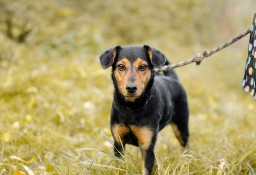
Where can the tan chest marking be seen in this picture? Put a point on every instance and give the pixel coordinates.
(143, 134)
(119, 131)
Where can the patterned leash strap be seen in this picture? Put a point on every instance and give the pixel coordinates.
(249, 79)
(201, 56)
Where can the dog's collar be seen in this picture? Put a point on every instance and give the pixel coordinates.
(149, 98)
(141, 106)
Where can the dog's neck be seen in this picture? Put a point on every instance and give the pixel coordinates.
(139, 102)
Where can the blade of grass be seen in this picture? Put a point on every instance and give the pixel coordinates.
(242, 158)
(102, 166)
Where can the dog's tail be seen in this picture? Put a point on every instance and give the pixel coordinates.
(171, 72)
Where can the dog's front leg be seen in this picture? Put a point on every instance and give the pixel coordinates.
(118, 132)
(118, 149)
(148, 160)
(146, 140)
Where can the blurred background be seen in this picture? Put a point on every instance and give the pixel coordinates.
(55, 97)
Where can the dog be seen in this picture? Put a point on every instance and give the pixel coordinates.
(144, 101)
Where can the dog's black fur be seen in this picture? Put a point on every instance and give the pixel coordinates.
(163, 101)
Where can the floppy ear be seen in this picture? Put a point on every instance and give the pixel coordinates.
(108, 57)
(156, 57)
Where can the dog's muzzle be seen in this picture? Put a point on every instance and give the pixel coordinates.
(131, 88)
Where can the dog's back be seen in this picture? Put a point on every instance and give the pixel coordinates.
(173, 97)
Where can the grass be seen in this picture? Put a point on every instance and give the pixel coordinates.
(52, 112)
(55, 101)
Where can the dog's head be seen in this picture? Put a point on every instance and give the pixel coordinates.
(132, 68)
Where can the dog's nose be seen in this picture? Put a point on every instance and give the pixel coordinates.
(131, 88)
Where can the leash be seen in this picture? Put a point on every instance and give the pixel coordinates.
(249, 80)
(201, 56)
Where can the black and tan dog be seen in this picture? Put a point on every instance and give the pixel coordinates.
(144, 102)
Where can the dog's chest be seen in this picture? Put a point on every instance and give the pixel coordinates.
(132, 134)
(135, 117)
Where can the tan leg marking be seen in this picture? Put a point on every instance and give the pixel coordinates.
(177, 133)
(143, 134)
(119, 131)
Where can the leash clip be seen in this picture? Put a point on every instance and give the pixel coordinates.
(201, 57)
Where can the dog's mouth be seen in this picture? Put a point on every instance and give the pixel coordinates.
(131, 97)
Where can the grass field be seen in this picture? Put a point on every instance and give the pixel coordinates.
(55, 98)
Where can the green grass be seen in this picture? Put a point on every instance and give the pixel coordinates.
(55, 98)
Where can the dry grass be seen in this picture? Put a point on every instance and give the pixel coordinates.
(55, 101)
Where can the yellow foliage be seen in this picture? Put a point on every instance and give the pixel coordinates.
(19, 173)
(28, 118)
(16, 125)
(65, 12)
(6, 136)
(22, 160)
(29, 171)
(32, 89)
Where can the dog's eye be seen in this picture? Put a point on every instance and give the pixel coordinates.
(121, 67)
(142, 67)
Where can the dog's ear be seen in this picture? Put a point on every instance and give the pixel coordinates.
(108, 57)
(156, 57)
